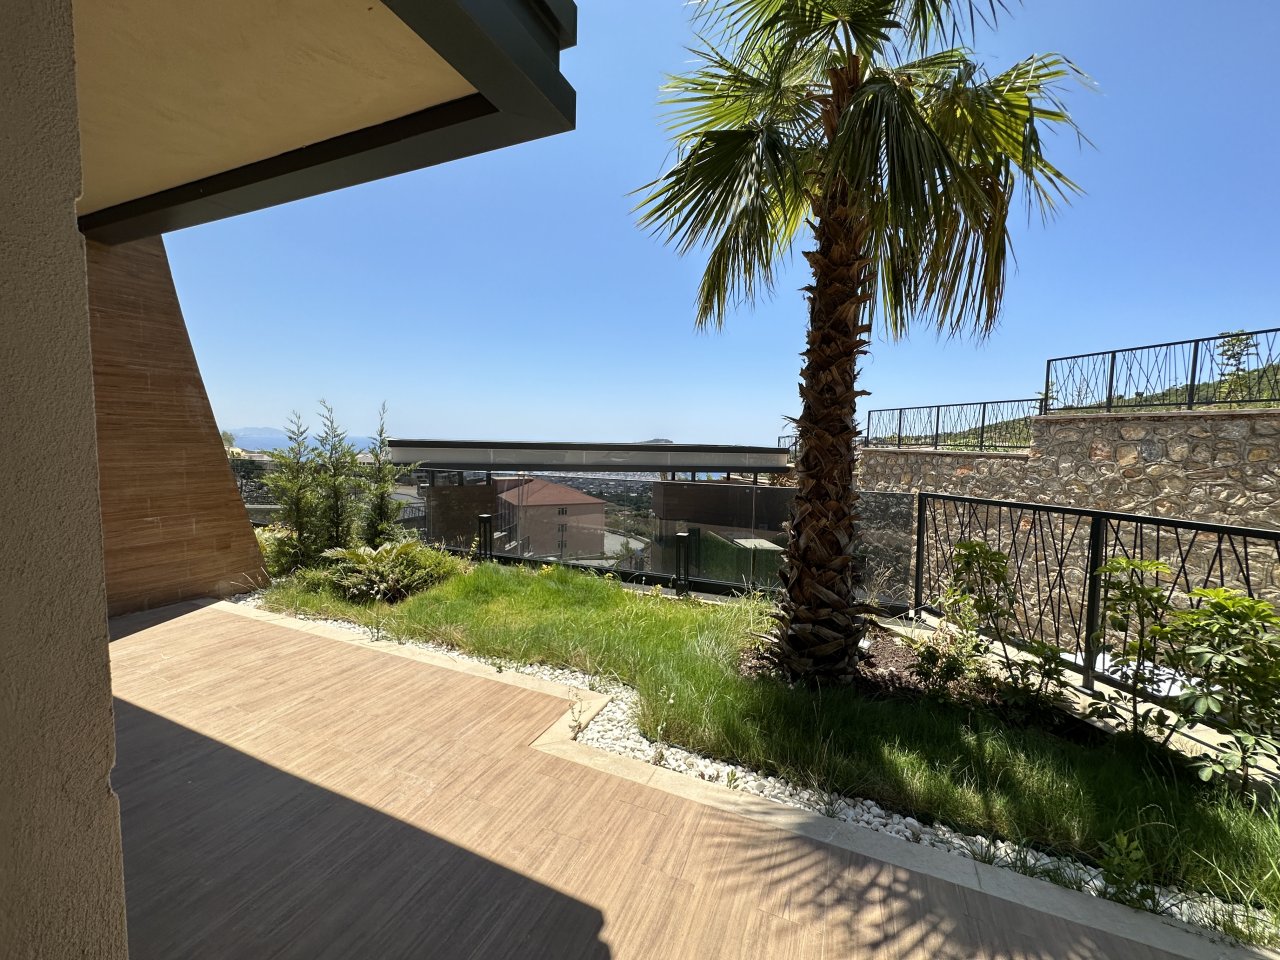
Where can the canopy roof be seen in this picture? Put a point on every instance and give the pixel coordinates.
(589, 457)
(194, 111)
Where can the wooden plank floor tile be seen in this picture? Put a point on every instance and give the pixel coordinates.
(287, 795)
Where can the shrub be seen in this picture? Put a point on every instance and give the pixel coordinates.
(279, 549)
(1229, 650)
(978, 608)
(982, 573)
(956, 651)
(339, 487)
(327, 498)
(313, 579)
(382, 510)
(292, 485)
(1134, 608)
(390, 572)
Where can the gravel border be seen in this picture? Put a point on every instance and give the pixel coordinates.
(614, 729)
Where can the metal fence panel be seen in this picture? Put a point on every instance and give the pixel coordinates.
(986, 425)
(1240, 369)
(1055, 552)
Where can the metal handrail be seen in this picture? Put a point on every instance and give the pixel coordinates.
(1055, 564)
(984, 425)
(1176, 374)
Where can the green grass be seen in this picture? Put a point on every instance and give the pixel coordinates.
(965, 768)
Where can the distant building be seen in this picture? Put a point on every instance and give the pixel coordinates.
(548, 519)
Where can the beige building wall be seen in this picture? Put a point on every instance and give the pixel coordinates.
(61, 876)
(583, 533)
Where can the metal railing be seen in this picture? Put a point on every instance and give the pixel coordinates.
(988, 425)
(1055, 552)
(631, 525)
(1231, 369)
(1054, 555)
(792, 442)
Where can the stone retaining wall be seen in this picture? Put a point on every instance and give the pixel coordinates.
(1220, 466)
(887, 541)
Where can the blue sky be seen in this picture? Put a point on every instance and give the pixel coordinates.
(510, 296)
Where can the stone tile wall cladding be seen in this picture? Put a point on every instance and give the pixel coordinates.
(886, 544)
(1216, 466)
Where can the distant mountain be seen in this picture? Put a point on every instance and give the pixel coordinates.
(272, 438)
(657, 441)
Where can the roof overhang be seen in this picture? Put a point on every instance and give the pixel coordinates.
(588, 457)
(192, 112)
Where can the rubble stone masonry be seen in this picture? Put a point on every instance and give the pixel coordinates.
(1219, 466)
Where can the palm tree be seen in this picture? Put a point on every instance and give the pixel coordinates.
(839, 118)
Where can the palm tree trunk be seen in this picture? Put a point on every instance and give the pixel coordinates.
(821, 619)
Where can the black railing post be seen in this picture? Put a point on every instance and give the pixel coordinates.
(937, 425)
(1093, 625)
(1111, 380)
(681, 583)
(919, 571)
(1048, 387)
(484, 535)
(982, 428)
(1195, 365)
(900, 426)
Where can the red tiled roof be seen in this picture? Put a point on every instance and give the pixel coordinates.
(544, 493)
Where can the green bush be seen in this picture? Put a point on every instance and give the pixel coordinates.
(954, 653)
(327, 498)
(279, 548)
(1134, 606)
(391, 572)
(313, 579)
(338, 486)
(292, 485)
(1229, 649)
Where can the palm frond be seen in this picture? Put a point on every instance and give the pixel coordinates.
(800, 102)
(926, 23)
(776, 87)
(741, 194)
(952, 276)
(741, 262)
(1002, 116)
(917, 25)
(741, 128)
(844, 27)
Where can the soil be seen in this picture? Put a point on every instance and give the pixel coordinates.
(886, 671)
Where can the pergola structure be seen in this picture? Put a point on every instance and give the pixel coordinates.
(551, 457)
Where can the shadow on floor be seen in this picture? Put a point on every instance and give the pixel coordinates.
(226, 856)
(876, 909)
(126, 624)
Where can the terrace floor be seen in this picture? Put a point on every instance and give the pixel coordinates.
(286, 793)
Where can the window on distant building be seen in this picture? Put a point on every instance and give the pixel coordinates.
(562, 511)
(560, 544)
(561, 527)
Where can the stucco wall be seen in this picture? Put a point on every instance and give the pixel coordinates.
(61, 876)
(1221, 466)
